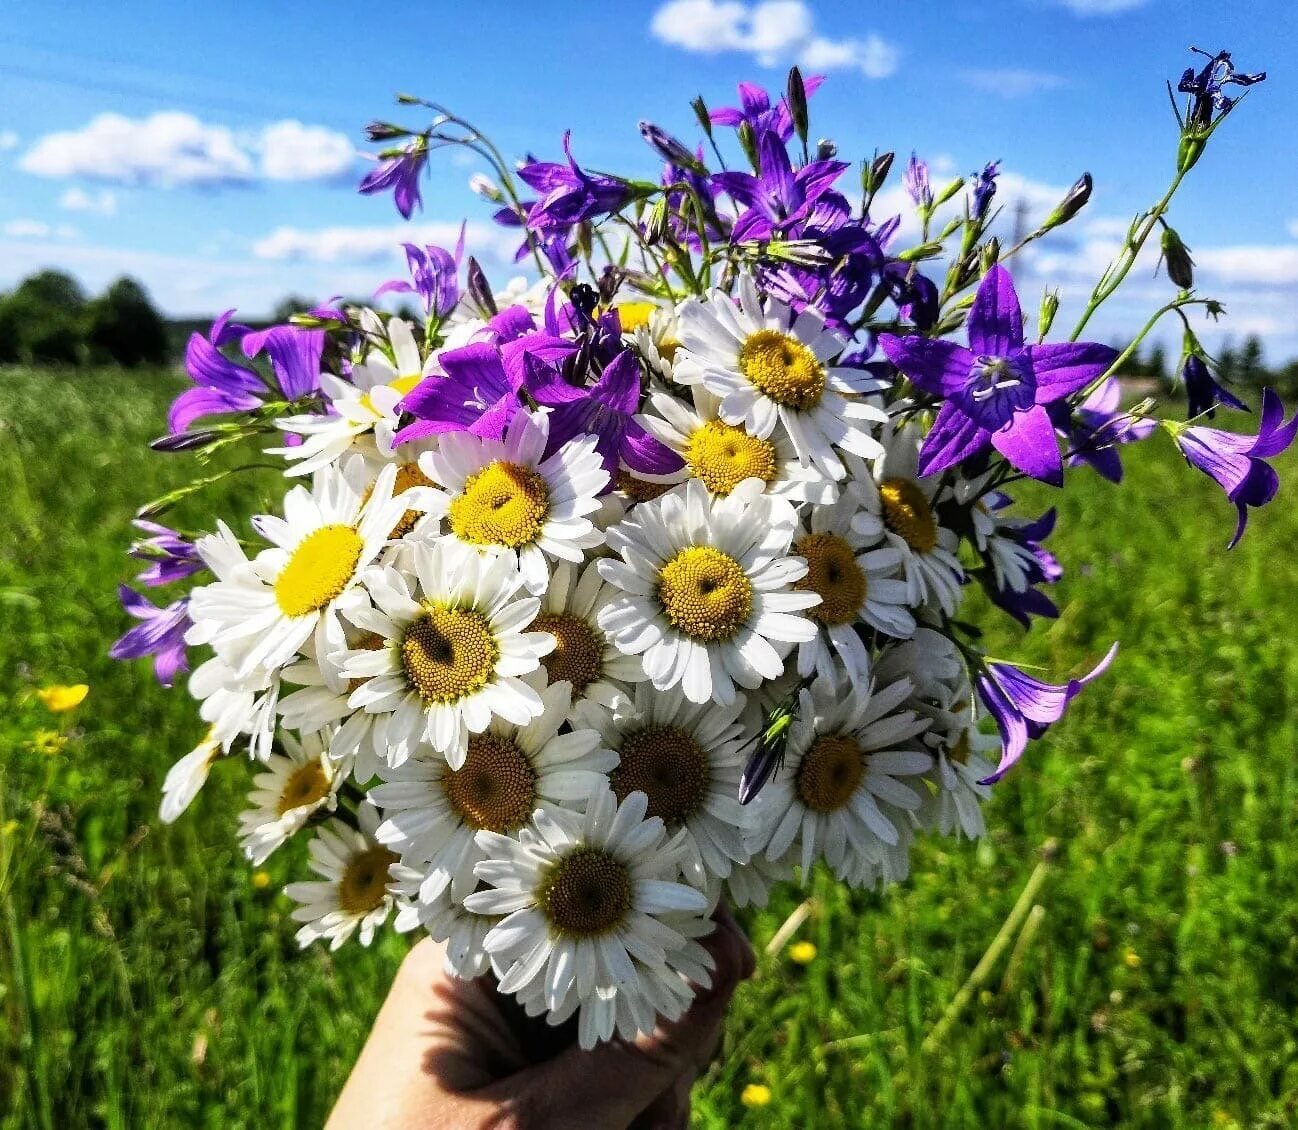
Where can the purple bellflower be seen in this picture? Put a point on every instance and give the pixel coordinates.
(997, 390)
(160, 633)
(984, 189)
(1203, 393)
(1096, 428)
(434, 274)
(569, 194)
(604, 410)
(170, 557)
(1025, 707)
(1238, 463)
(915, 181)
(779, 196)
(222, 385)
(294, 357)
(1205, 86)
(1044, 568)
(399, 174)
(755, 109)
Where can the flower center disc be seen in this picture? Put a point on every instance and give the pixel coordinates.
(587, 893)
(307, 784)
(705, 593)
(783, 368)
(724, 455)
(907, 514)
(448, 654)
(365, 880)
(495, 788)
(318, 569)
(640, 490)
(830, 772)
(667, 765)
(578, 651)
(503, 504)
(959, 751)
(633, 315)
(834, 573)
(408, 475)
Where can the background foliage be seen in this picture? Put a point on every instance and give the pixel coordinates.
(148, 978)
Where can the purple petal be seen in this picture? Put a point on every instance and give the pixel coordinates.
(646, 455)
(1028, 443)
(953, 437)
(937, 366)
(995, 319)
(1064, 367)
(195, 403)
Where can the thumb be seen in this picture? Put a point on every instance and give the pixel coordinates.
(614, 1082)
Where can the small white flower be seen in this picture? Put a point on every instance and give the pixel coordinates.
(708, 589)
(353, 890)
(772, 368)
(507, 497)
(189, 775)
(899, 506)
(454, 647)
(585, 905)
(850, 758)
(295, 786)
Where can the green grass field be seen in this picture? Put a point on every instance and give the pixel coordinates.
(147, 981)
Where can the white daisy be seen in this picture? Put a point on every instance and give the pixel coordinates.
(708, 589)
(353, 890)
(850, 756)
(296, 785)
(444, 920)
(583, 902)
(859, 588)
(364, 408)
(998, 536)
(184, 779)
(454, 648)
(772, 368)
(505, 497)
(269, 609)
(235, 706)
(900, 507)
(432, 812)
(584, 656)
(724, 455)
(653, 331)
(687, 760)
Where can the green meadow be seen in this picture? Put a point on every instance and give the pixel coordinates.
(1121, 951)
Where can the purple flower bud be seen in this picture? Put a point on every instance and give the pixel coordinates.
(916, 183)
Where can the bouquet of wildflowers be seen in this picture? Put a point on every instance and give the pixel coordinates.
(598, 598)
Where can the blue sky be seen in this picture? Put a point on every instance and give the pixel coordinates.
(209, 149)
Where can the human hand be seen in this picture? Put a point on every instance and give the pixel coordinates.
(447, 1054)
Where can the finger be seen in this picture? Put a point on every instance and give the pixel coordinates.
(614, 1082)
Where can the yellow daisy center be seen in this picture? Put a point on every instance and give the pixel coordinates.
(639, 489)
(633, 315)
(783, 368)
(503, 504)
(365, 881)
(318, 569)
(724, 455)
(307, 784)
(578, 655)
(705, 593)
(830, 772)
(834, 573)
(586, 893)
(402, 385)
(668, 766)
(448, 653)
(495, 788)
(408, 475)
(907, 514)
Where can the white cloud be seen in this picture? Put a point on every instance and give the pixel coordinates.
(172, 148)
(773, 31)
(1260, 265)
(1293, 228)
(8, 140)
(37, 229)
(380, 243)
(1011, 82)
(291, 150)
(1102, 7)
(102, 203)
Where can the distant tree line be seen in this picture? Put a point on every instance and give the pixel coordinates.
(1243, 366)
(47, 319)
